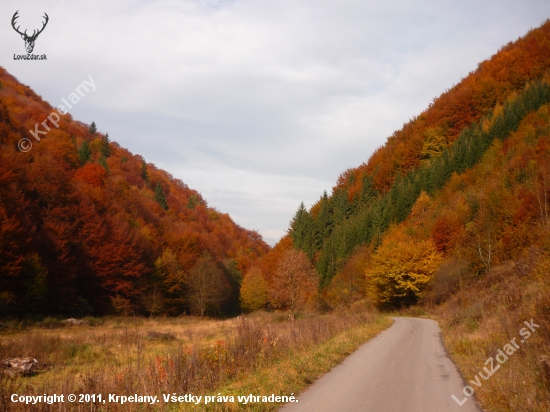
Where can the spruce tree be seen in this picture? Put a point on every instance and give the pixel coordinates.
(324, 222)
(159, 197)
(297, 227)
(84, 152)
(105, 149)
(144, 174)
(92, 129)
(303, 231)
(103, 162)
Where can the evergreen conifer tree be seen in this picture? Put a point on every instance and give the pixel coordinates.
(103, 162)
(105, 149)
(84, 152)
(144, 174)
(159, 197)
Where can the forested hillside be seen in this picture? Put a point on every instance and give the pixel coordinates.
(449, 219)
(86, 227)
(345, 234)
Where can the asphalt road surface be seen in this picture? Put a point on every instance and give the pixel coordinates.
(403, 369)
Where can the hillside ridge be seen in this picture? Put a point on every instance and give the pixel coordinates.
(87, 227)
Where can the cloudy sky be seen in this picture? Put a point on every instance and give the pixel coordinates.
(257, 104)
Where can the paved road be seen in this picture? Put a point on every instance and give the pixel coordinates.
(404, 369)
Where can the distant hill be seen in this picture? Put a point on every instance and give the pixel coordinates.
(88, 228)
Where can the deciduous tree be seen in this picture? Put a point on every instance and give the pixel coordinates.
(205, 282)
(294, 281)
(254, 291)
(401, 269)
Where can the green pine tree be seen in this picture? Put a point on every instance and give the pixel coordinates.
(84, 152)
(105, 148)
(92, 129)
(159, 197)
(324, 222)
(303, 231)
(144, 174)
(103, 162)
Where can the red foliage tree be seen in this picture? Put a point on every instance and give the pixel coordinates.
(92, 173)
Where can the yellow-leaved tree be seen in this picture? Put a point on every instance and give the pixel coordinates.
(253, 291)
(400, 270)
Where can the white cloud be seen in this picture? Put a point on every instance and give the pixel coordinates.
(258, 104)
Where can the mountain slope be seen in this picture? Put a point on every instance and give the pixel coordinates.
(456, 225)
(86, 227)
(491, 227)
(355, 213)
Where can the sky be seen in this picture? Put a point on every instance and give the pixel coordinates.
(258, 105)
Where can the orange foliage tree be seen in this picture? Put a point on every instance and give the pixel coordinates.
(294, 281)
(92, 173)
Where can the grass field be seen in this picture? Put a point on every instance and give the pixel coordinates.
(259, 354)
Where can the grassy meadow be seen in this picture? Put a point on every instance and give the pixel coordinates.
(260, 354)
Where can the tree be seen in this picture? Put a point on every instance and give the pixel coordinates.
(401, 269)
(483, 233)
(103, 162)
(92, 129)
(446, 232)
(348, 285)
(35, 277)
(434, 142)
(302, 231)
(159, 197)
(167, 292)
(254, 291)
(206, 283)
(12, 242)
(421, 206)
(84, 152)
(144, 173)
(105, 148)
(92, 173)
(323, 221)
(294, 281)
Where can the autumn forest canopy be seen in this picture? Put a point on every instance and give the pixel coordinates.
(88, 228)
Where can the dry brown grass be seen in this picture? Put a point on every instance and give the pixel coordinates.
(117, 356)
(485, 315)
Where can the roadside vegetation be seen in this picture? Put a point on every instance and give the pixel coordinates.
(485, 315)
(260, 353)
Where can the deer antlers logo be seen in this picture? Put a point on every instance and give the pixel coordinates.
(29, 40)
